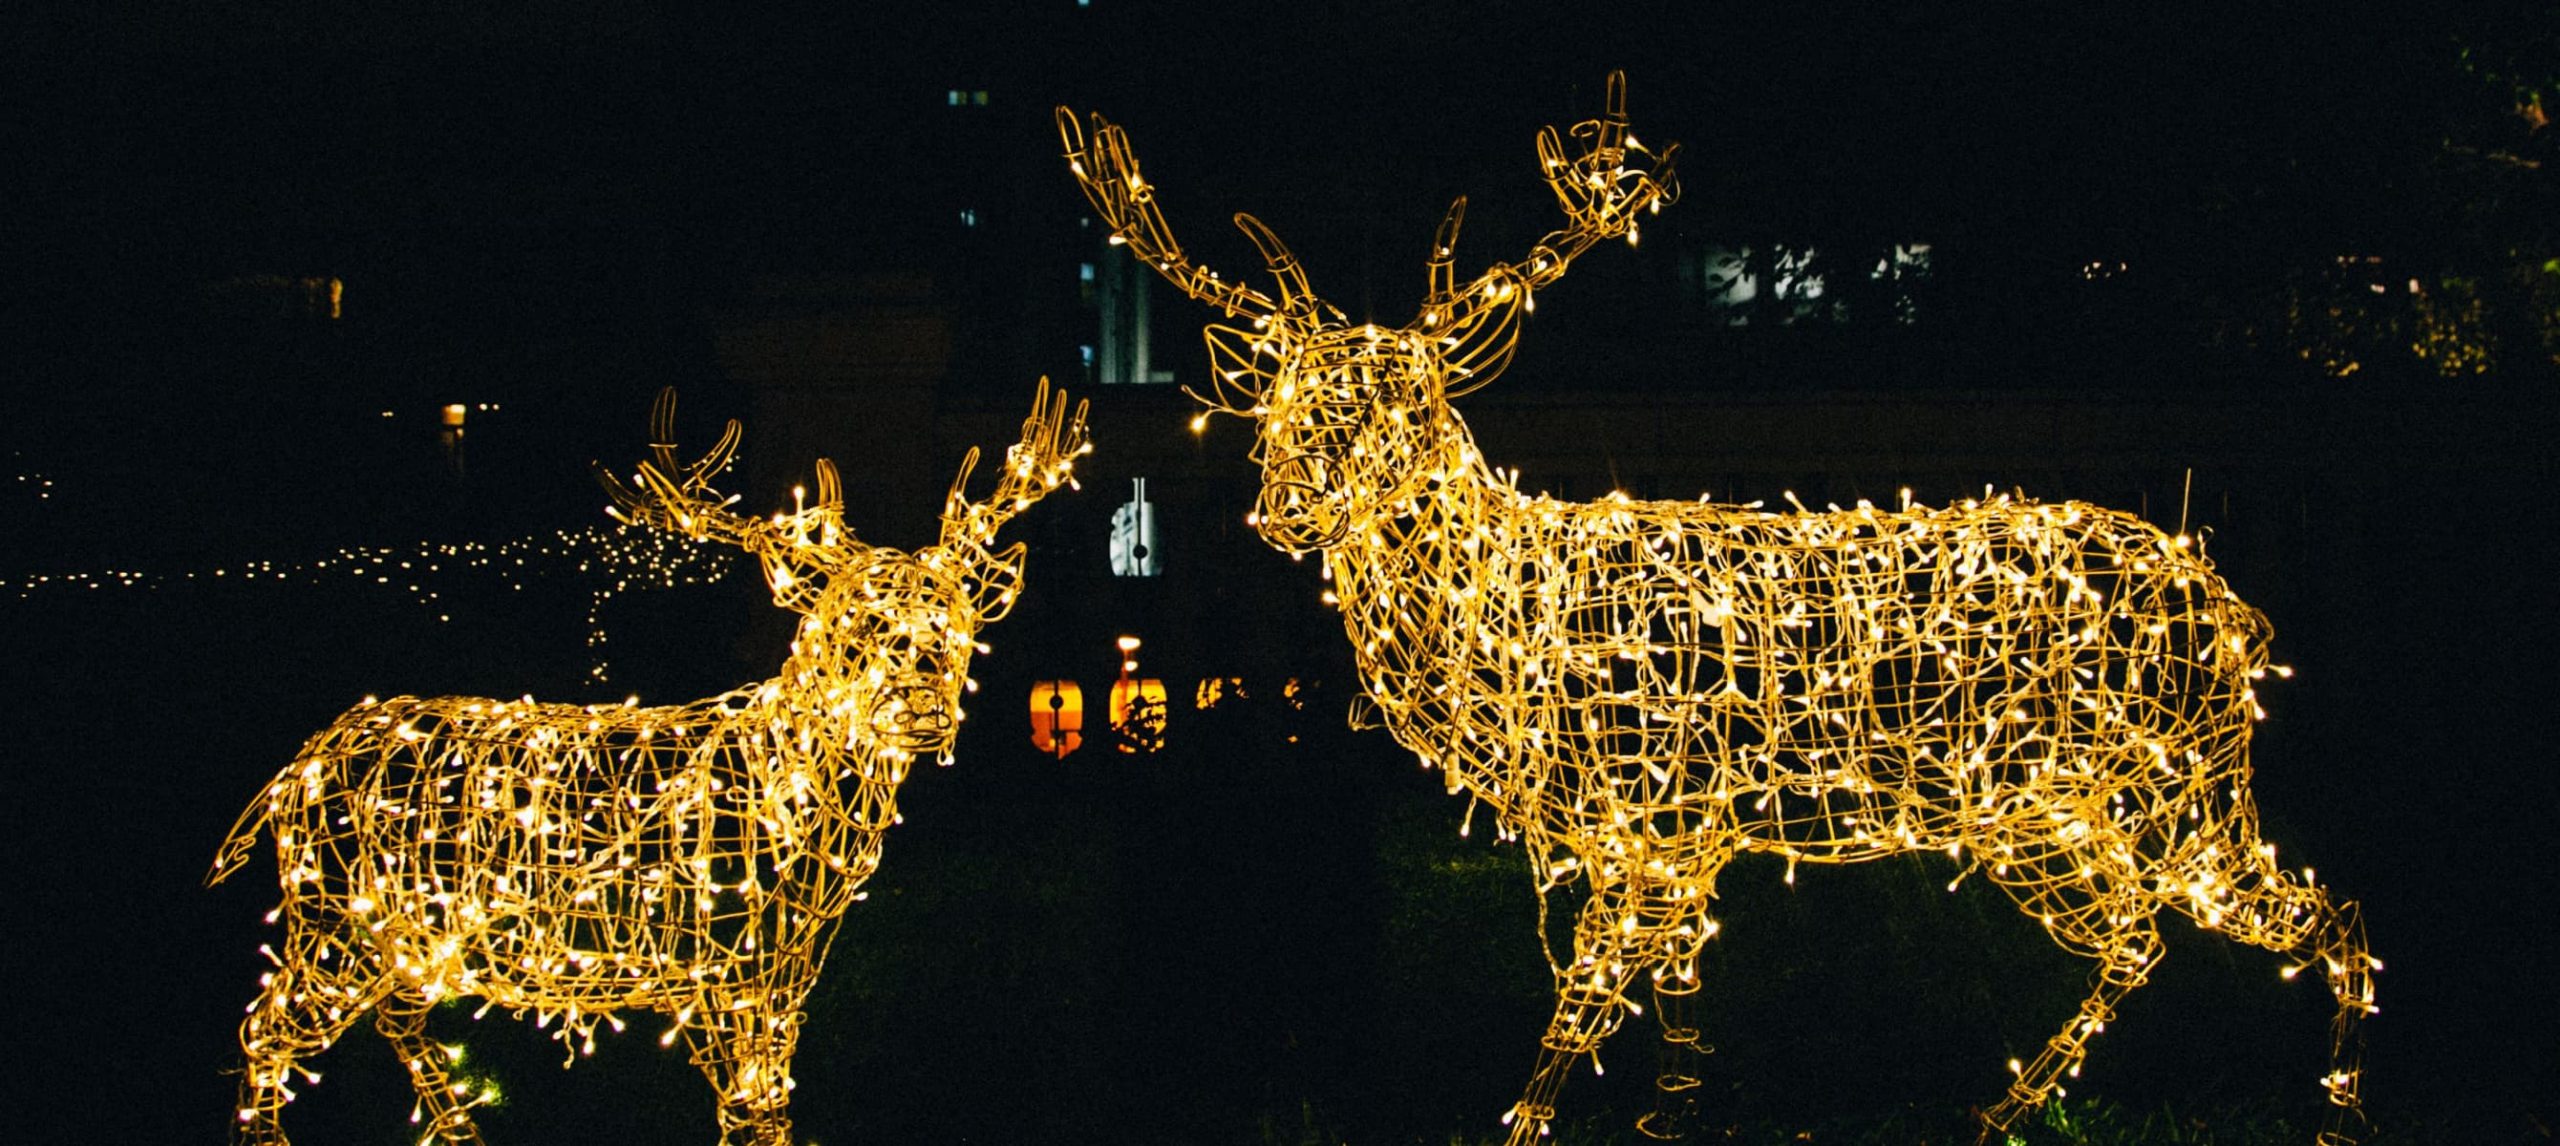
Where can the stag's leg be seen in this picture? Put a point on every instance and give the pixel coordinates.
(1615, 939)
(1675, 1081)
(2274, 910)
(1675, 993)
(2120, 932)
(746, 1053)
(320, 987)
(402, 1019)
(2342, 955)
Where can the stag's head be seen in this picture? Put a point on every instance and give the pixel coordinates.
(1344, 414)
(886, 636)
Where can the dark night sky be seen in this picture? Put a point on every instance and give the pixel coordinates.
(206, 136)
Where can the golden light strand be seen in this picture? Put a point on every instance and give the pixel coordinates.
(2058, 695)
(577, 861)
(609, 560)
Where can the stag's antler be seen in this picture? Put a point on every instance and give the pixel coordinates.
(679, 497)
(1042, 461)
(1601, 194)
(1108, 171)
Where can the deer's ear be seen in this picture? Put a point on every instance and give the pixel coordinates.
(1242, 364)
(1479, 345)
(995, 584)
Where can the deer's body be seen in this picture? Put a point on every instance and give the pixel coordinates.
(578, 861)
(1677, 662)
(2061, 695)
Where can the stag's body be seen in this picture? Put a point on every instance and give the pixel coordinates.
(2059, 694)
(576, 861)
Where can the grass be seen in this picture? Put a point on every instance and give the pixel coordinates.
(2062, 1122)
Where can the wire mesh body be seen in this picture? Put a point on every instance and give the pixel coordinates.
(576, 861)
(2059, 695)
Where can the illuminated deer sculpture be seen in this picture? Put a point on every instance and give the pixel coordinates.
(1641, 691)
(693, 859)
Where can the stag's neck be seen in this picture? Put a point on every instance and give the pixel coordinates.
(1415, 578)
(821, 708)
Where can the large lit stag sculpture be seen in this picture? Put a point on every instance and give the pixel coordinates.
(2061, 695)
(580, 860)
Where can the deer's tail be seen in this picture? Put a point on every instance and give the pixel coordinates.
(243, 839)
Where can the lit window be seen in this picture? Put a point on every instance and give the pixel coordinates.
(1138, 708)
(968, 216)
(1057, 717)
(1736, 278)
(958, 97)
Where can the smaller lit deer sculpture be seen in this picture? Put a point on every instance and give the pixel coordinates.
(579, 860)
(1642, 691)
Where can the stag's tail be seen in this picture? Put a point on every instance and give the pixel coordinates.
(242, 840)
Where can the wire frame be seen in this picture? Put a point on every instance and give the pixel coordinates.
(2059, 696)
(578, 861)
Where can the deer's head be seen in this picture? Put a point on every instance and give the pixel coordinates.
(911, 618)
(1343, 412)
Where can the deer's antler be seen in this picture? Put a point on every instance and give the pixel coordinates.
(1108, 172)
(678, 496)
(1042, 461)
(1602, 194)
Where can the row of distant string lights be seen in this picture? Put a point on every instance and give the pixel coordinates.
(1138, 708)
(609, 559)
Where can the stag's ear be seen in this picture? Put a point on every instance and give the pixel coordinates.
(1478, 346)
(1242, 364)
(993, 585)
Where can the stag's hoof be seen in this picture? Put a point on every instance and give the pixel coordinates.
(1670, 1122)
(1527, 1123)
(1996, 1121)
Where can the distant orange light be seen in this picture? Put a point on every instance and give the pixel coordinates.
(1138, 710)
(1057, 718)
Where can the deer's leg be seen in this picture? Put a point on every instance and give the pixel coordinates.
(746, 1053)
(2349, 964)
(2276, 911)
(320, 987)
(1615, 940)
(2127, 945)
(1675, 993)
(443, 1109)
(1675, 1080)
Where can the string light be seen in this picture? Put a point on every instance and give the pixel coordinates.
(609, 559)
(32, 483)
(580, 860)
(1641, 691)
